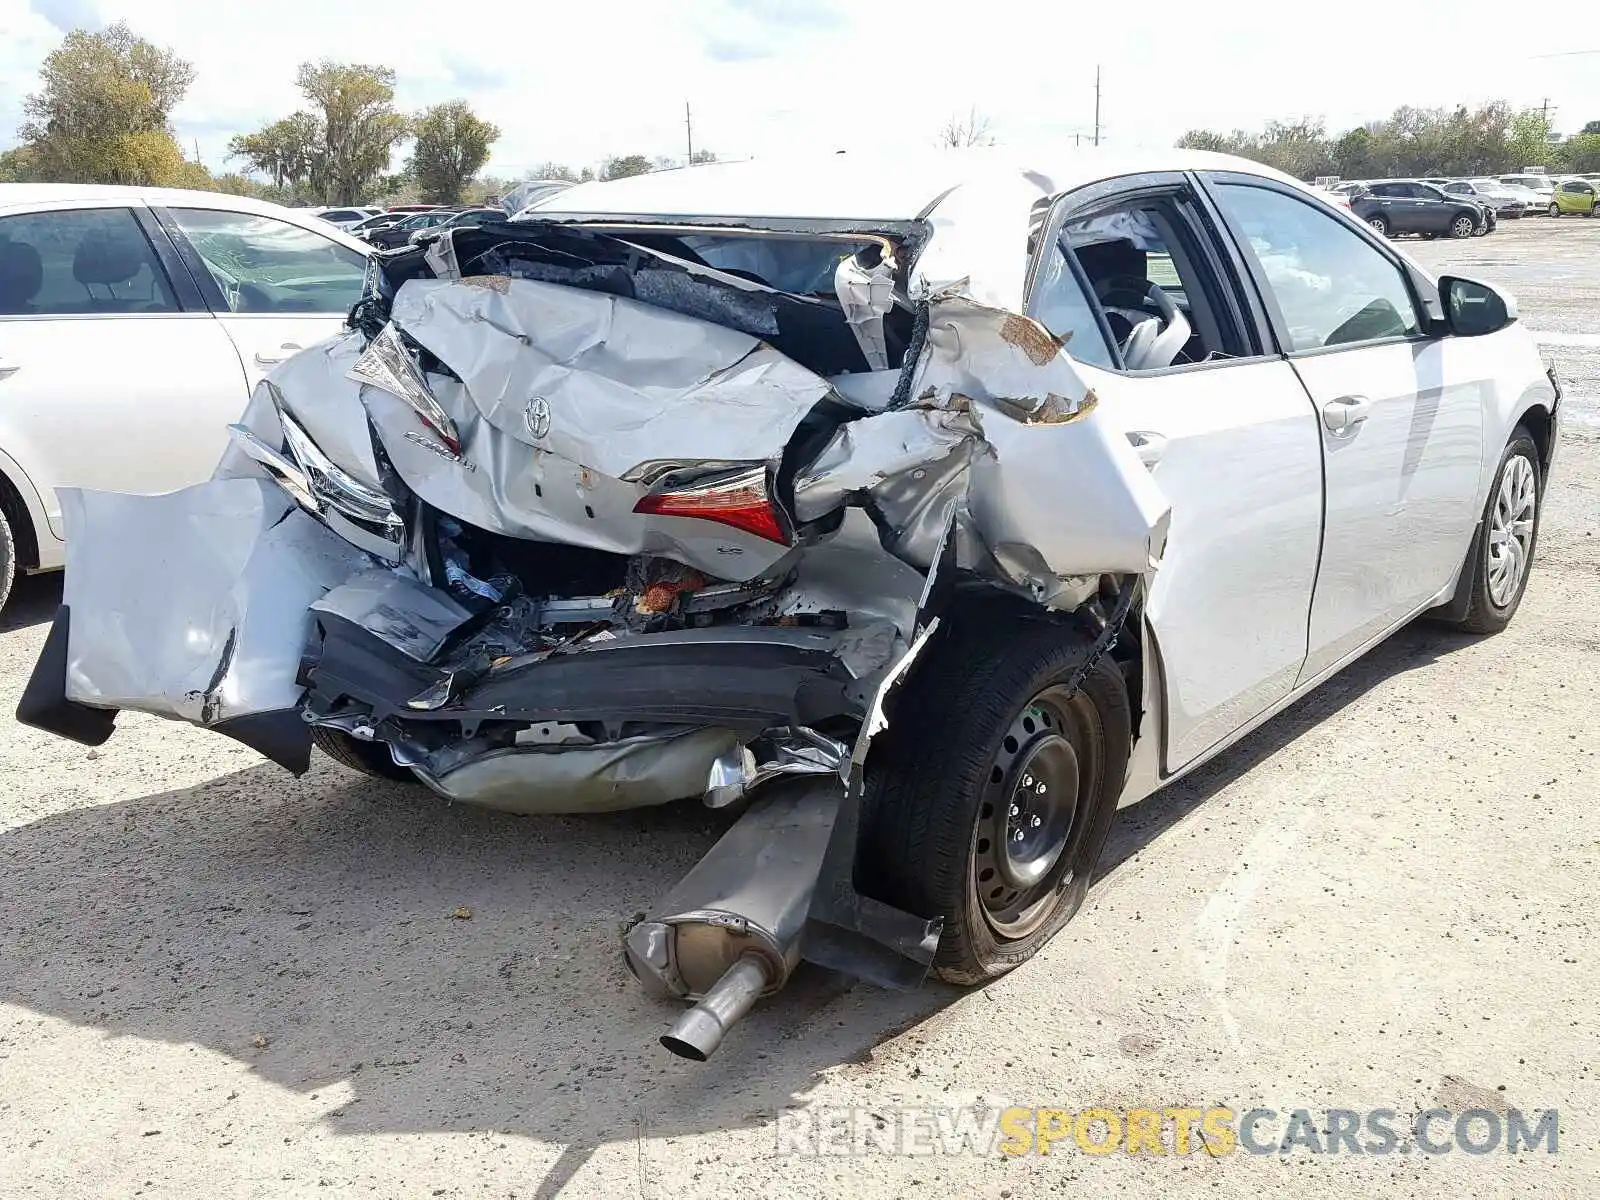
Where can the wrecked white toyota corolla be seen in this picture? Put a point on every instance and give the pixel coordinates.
(630, 503)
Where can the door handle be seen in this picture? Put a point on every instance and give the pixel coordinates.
(1148, 446)
(7, 370)
(290, 350)
(1344, 415)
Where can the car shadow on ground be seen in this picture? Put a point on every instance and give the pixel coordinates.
(317, 931)
(33, 601)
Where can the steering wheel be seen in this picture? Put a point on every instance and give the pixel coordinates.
(1153, 341)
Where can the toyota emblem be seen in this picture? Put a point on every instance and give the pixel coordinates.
(537, 417)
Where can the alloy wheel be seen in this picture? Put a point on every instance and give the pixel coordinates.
(1035, 813)
(1510, 541)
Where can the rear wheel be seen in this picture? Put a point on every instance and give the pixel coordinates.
(1495, 574)
(370, 758)
(990, 795)
(1462, 225)
(1379, 224)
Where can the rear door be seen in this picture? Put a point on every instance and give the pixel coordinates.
(1402, 414)
(113, 375)
(1227, 430)
(276, 287)
(1431, 214)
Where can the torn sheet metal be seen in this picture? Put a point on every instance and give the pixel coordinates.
(313, 387)
(607, 382)
(194, 604)
(866, 294)
(411, 617)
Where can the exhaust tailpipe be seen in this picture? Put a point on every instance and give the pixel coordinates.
(730, 930)
(699, 1031)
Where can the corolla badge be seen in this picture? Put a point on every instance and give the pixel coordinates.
(536, 416)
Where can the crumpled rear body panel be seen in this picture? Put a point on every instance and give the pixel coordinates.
(194, 604)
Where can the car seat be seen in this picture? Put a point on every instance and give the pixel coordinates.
(112, 260)
(21, 277)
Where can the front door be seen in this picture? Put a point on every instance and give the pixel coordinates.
(1225, 427)
(105, 382)
(277, 287)
(1400, 418)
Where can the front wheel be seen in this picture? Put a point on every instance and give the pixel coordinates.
(989, 797)
(1500, 557)
(1462, 226)
(8, 560)
(1555, 210)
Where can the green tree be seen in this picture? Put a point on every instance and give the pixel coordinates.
(102, 113)
(555, 170)
(1530, 140)
(1582, 153)
(452, 144)
(622, 166)
(359, 125)
(1591, 127)
(283, 151)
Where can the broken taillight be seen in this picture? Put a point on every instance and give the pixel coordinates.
(739, 498)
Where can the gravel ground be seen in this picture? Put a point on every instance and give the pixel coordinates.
(216, 980)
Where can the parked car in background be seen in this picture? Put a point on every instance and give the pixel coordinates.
(1395, 206)
(387, 237)
(1505, 203)
(1541, 185)
(347, 218)
(467, 216)
(1574, 197)
(133, 324)
(378, 222)
(894, 473)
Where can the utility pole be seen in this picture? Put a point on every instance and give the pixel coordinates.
(1097, 104)
(688, 128)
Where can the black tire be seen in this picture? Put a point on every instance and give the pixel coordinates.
(1555, 209)
(1475, 608)
(369, 758)
(1462, 225)
(944, 773)
(8, 560)
(1379, 224)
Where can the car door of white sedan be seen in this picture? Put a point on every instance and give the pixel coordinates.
(1232, 442)
(112, 374)
(277, 287)
(1402, 415)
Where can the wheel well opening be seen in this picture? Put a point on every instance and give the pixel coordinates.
(1537, 422)
(16, 515)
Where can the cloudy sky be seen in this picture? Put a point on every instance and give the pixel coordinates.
(577, 82)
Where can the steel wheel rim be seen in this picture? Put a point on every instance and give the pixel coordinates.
(1034, 813)
(1510, 542)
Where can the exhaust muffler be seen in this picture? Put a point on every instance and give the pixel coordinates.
(730, 930)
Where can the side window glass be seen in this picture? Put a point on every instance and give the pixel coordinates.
(264, 265)
(1145, 274)
(1062, 307)
(1332, 286)
(78, 262)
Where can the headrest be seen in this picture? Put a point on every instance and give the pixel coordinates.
(21, 276)
(108, 258)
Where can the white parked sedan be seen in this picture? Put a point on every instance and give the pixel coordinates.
(936, 506)
(133, 324)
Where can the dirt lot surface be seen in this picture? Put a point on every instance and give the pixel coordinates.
(219, 981)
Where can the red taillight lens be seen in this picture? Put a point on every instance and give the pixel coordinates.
(738, 498)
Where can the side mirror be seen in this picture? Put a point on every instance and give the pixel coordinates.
(1472, 308)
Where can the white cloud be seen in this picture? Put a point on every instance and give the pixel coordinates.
(576, 83)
